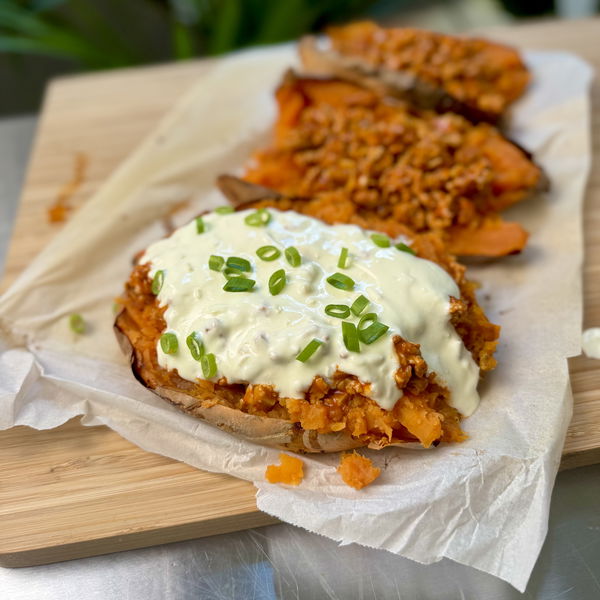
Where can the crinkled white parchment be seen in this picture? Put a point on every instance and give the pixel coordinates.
(483, 503)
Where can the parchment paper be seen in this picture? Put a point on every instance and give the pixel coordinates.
(483, 503)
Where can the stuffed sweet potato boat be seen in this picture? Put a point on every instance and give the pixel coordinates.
(473, 77)
(291, 333)
(383, 165)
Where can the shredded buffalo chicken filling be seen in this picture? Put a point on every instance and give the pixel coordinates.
(477, 72)
(341, 405)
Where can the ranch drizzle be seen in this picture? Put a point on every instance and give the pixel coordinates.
(256, 336)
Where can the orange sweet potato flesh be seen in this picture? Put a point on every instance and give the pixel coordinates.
(492, 237)
(483, 75)
(348, 156)
(290, 471)
(357, 471)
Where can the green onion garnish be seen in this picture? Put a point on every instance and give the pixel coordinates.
(208, 362)
(367, 320)
(239, 263)
(194, 343)
(215, 263)
(277, 282)
(343, 259)
(268, 253)
(239, 284)
(359, 305)
(76, 323)
(383, 241)
(293, 256)
(157, 282)
(168, 343)
(224, 210)
(199, 225)
(350, 336)
(229, 272)
(339, 311)
(372, 333)
(341, 281)
(405, 248)
(309, 350)
(260, 218)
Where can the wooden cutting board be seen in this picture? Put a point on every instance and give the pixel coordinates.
(74, 491)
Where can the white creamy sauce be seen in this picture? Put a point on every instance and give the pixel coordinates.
(590, 342)
(256, 336)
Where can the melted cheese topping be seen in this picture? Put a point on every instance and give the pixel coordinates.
(256, 336)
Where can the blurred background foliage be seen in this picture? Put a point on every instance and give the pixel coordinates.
(102, 34)
(43, 38)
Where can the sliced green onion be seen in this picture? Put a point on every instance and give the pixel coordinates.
(341, 281)
(277, 282)
(224, 210)
(268, 253)
(293, 256)
(367, 320)
(372, 333)
(229, 272)
(208, 363)
(194, 343)
(350, 336)
(309, 350)
(157, 282)
(215, 263)
(339, 311)
(343, 259)
(359, 305)
(239, 284)
(169, 343)
(405, 248)
(239, 263)
(381, 240)
(200, 228)
(260, 218)
(76, 323)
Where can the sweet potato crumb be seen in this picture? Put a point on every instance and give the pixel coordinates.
(290, 470)
(57, 213)
(357, 471)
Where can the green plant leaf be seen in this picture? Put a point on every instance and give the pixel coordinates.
(45, 5)
(286, 20)
(183, 41)
(225, 28)
(19, 20)
(22, 45)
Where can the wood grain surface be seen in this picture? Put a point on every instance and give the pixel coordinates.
(74, 491)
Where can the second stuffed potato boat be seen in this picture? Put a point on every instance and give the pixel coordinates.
(383, 165)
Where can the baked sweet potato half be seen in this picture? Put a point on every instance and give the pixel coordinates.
(333, 413)
(473, 77)
(381, 164)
